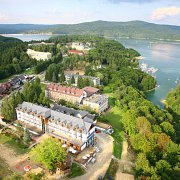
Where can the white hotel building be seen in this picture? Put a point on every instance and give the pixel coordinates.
(76, 130)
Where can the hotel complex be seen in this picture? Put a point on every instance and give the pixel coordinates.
(74, 128)
(95, 80)
(86, 97)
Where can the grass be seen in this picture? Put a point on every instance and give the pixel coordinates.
(114, 117)
(76, 170)
(112, 170)
(4, 169)
(29, 71)
(13, 143)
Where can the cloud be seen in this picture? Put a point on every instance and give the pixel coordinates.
(162, 13)
(3, 17)
(132, 1)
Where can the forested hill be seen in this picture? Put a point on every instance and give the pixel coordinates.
(9, 39)
(131, 29)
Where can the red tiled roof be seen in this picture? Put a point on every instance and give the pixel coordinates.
(75, 52)
(65, 90)
(90, 90)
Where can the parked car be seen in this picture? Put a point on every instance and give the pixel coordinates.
(97, 149)
(100, 178)
(109, 131)
(98, 131)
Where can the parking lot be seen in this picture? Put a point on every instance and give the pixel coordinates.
(103, 158)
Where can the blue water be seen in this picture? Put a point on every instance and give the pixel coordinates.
(162, 55)
(29, 37)
(159, 54)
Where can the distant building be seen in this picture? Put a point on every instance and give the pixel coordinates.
(77, 52)
(81, 46)
(72, 130)
(87, 96)
(39, 55)
(41, 43)
(13, 83)
(95, 80)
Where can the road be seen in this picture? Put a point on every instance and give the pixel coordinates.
(103, 158)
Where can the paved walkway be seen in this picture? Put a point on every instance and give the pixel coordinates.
(103, 158)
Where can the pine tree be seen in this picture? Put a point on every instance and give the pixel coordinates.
(54, 77)
(62, 77)
(72, 80)
(26, 136)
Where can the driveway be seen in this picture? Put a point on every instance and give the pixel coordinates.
(103, 158)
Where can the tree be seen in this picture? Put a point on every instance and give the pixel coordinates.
(9, 105)
(80, 82)
(54, 77)
(168, 128)
(50, 153)
(26, 136)
(163, 169)
(72, 80)
(143, 125)
(62, 77)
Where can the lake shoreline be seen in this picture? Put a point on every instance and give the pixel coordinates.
(113, 37)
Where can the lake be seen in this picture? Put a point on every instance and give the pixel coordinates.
(159, 54)
(162, 55)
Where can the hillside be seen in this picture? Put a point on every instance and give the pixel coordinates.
(9, 39)
(131, 29)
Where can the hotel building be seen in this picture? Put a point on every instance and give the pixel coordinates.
(87, 96)
(74, 129)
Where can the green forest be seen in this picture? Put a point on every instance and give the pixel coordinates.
(131, 29)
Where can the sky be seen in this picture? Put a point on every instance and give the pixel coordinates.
(78, 11)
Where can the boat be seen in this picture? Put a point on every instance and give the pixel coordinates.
(150, 70)
(176, 81)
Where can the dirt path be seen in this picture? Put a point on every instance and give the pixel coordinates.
(125, 164)
(10, 156)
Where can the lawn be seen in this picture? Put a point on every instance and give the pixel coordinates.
(4, 169)
(13, 143)
(76, 170)
(114, 117)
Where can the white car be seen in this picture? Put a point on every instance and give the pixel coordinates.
(97, 149)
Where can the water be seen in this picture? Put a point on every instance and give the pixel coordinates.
(29, 37)
(162, 55)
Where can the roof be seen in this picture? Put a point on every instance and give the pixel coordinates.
(90, 90)
(56, 116)
(97, 98)
(76, 113)
(65, 90)
(75, 51)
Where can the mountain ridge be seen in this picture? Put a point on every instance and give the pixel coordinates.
(131, 29)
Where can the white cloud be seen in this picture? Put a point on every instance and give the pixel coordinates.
(3, 17)
(162, 13)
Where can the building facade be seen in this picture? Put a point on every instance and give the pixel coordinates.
(95, 80)
(87, 96)
(71, 130)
